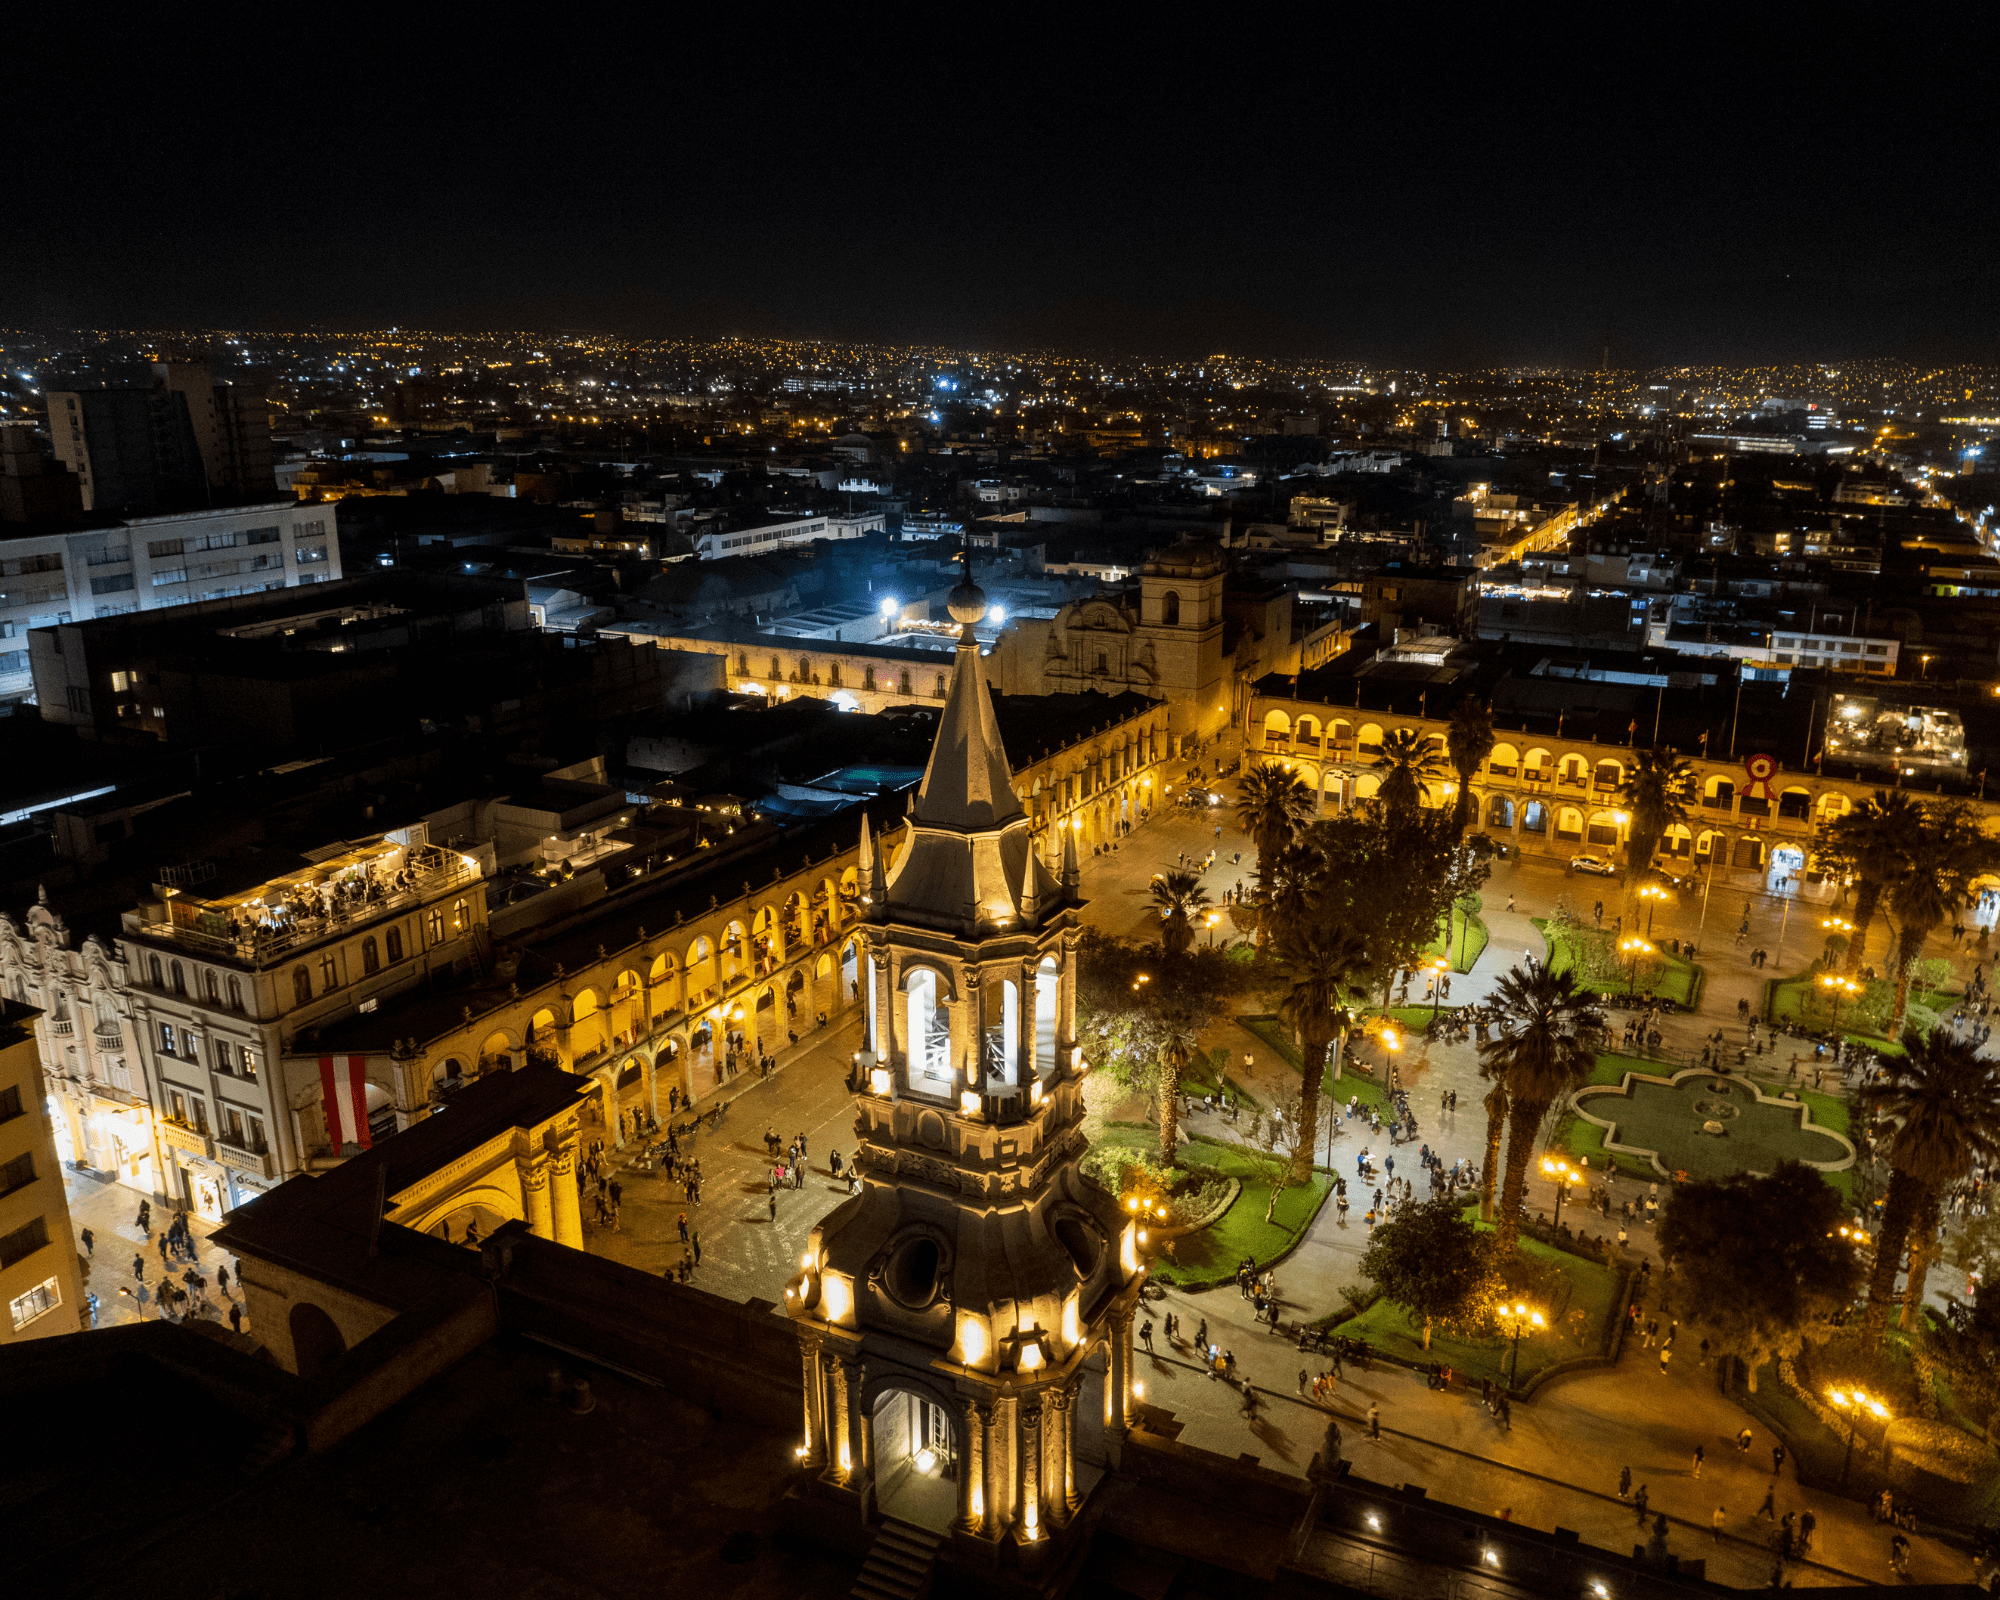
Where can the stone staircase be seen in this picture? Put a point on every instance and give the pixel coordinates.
(899, 1564)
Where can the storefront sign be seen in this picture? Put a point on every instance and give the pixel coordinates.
(179, 1138)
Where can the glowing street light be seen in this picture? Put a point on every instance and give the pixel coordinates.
(1634, 948)
(1842, 988)
(1522, 1317)
(1854, 1404)
(1437, 966)
(1652, 894)
(1563, 1175)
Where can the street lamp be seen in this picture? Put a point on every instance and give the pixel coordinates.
(1438, 968)
(1563, 1175)
(1852, 1403)
(1522, 1317)
(1214, 917)
(1635, 947)
(1835, 925)
(1842, 988)
(1652, 894)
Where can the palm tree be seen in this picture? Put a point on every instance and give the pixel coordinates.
(1468, 742)
(1271, 802)
(1656, 792)
(1543, 1044)
(1410, 764)
(1176, 1051)
(1496, 1125)
(1180, 900)
(1869, 842)
(1942, 1100)
(1322, 965)
(1942, 855)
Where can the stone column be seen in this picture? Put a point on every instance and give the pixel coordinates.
(815, 1436)
(839, 1428)
(972, 1474)
(567, 1207)
(535, 1198)
(991, 1517)
(1031, 1467)
(1121, 1373)
(1072, 1501)
(1055, 1456)
(862, 1469)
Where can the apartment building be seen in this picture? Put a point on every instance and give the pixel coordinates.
(41, 1285)
(116, 565)
(232, 969)
(185, 440)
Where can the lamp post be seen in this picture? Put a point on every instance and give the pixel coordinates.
(1835, 925)
(1521, 1316)
(1852, 1403)
(1635, 947)
(1563, 1175)
(1438, 968)
(1652, 894)
(1842, 988)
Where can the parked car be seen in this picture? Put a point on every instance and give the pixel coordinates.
(1596, 864)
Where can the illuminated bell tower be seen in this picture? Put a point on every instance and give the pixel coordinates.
(966, 1319)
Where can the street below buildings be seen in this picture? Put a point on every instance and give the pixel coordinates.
(110, 1212)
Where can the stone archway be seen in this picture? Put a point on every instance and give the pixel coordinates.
(916, 1449)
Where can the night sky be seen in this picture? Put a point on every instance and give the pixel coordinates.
(1246, 179)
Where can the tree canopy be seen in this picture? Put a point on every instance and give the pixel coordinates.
(1760, 1260)
(1435, 1264)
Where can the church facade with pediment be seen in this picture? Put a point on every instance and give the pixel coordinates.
(1167, 643)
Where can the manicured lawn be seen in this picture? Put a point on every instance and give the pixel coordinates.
(1209, 1255)
(1799, 999)
(1587, 1289)
(1663, 975)
(1468, 939)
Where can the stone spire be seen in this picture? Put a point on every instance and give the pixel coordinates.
(967, 861)
(968, 784)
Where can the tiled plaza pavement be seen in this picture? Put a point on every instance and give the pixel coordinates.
(111, 1211)
(1558, 1467)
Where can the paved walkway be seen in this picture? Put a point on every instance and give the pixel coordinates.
(111, 1211)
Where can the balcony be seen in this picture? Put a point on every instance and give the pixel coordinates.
(253, 1159)
(109, 1036)
(62, 1027)
(211, 932)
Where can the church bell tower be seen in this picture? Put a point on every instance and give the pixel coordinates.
(966, 1319)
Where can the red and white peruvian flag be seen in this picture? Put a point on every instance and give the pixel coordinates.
(343, 1083)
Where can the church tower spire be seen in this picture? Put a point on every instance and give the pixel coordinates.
(952, 1313)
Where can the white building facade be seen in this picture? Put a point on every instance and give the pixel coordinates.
(146, 563)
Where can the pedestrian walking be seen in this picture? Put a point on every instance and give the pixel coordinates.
(139, 1267)
(1699, 1456)
(1374, 1421)
(1716, 1522)
(774, 1214)
(1302, 1383)
(1769, 1509)
(1743, 1442)
(235, 1317)
(1146, 1335)
(1639, 1504)
(1777, 1460)
(695, 1245)
(89, 1242)
(1665, 1356)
